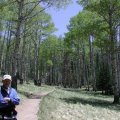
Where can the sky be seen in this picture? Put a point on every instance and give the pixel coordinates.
(62, 17)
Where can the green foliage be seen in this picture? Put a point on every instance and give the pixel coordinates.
(51, 45)
(3, 3)
(99, 19)
(57, 3)
(103, 8)
(49, 63)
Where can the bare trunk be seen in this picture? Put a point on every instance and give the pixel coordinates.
(17, 44)
(2, 68)
(92, 67)
(65, 70)
(8, 55)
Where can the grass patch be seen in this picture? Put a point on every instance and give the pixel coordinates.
(71, 104)
(25, 89)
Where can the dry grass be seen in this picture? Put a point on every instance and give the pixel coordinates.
(70, 104)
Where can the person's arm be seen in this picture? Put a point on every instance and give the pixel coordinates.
(3, 102)
(14, 97)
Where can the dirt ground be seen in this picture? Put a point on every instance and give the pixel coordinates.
(27, 110)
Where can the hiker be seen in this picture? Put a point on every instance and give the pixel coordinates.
(8, 98)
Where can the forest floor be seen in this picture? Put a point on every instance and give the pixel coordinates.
(78, 104)
(65, 104)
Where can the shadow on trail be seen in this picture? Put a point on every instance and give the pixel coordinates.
(93, 102)
(90, 93)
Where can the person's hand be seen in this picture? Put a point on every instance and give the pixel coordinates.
(7, 99)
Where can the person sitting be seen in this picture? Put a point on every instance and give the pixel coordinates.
(8, 98)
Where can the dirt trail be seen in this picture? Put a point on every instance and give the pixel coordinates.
(28, 109)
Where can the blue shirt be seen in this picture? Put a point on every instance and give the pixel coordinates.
(11, 93)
